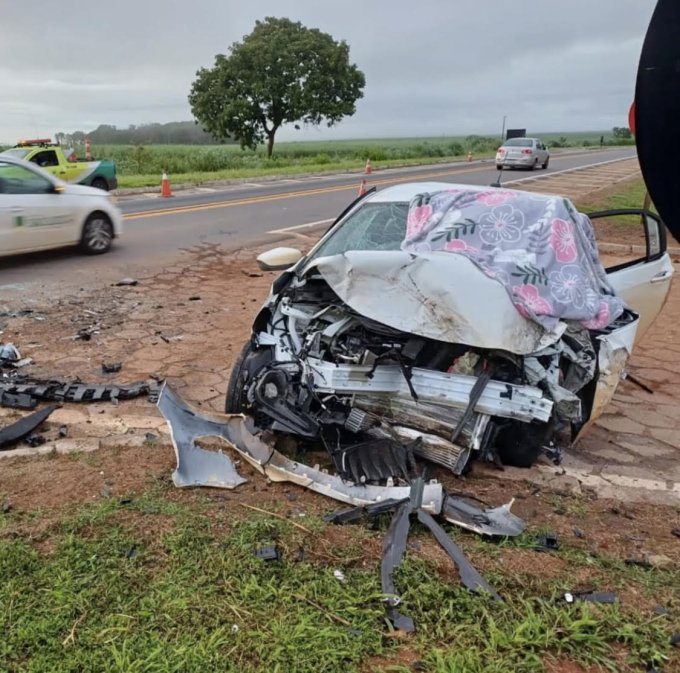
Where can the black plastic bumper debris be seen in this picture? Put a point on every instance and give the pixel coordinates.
(605, 597)
(11, 434)
(20, 401)
(547, 543)
(341, 516)
(394, 548)
(270, 553)
(59, 391)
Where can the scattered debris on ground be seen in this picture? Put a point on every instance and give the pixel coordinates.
(76, 391)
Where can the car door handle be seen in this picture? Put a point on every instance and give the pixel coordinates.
(16, 209)
(661, 276)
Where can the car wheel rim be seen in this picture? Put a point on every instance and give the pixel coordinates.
(98, 235)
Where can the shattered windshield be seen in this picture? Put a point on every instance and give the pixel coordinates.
(518, 142)
(375, 226)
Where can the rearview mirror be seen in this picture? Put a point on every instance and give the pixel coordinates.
(278, 259)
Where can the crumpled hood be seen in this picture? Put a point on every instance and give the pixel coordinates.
(429, 295)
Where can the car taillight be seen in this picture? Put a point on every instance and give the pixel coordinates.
(527, 151)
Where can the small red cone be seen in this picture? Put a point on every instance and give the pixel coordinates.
(362, 188)
(469, 156)
(369, 169)
(165, 186)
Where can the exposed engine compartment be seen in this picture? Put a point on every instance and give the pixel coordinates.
(376, 398)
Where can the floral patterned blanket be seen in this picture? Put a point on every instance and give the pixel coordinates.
(539, 247)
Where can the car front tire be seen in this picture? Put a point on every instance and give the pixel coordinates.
(235, 398)
(97, 234)
(499, 167)
(100, 183)
(545, 165)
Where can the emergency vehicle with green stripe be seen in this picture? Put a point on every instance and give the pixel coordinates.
(51, 157)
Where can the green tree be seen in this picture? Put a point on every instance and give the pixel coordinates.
(282, 72)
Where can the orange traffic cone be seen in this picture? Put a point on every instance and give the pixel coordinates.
(369, 169)
(165, 186)
(469, 156)
(362, 188)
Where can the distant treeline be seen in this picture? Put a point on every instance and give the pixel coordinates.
(173, 133)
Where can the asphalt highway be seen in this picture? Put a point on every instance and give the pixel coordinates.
(157, 230)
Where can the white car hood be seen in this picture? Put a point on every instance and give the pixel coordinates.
(435, 295)
(70, 188)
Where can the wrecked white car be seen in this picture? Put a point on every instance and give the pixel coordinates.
(446, 322)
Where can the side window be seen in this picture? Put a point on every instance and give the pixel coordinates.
(45, 158)
(627, 237)
(20, 180)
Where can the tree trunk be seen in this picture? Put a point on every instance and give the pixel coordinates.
(270, 143)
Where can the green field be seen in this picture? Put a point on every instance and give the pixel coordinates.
(142, 165)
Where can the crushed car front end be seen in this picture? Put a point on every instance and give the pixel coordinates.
(383, 355)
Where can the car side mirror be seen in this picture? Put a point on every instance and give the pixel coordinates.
(278, 259)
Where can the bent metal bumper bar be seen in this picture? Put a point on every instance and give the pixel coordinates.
(201, 467)
(509, 400)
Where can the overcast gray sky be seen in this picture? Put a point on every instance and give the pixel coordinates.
(432, 67)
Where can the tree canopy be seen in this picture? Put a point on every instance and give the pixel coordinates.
(282, 72)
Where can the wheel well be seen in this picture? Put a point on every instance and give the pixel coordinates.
(98, 177)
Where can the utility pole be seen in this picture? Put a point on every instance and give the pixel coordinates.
(503, 130)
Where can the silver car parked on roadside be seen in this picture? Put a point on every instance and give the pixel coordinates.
(522, 153)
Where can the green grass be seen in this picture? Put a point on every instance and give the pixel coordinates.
(170, 583)
(630, 196)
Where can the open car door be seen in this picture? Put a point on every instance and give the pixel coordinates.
(644, 278)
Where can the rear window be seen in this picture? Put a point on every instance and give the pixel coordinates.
(519, 142)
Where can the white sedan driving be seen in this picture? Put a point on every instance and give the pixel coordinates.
(38, 212)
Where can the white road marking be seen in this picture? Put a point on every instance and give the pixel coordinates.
(300, 226)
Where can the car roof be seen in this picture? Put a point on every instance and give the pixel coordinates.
(407, 190)
(8, 158)
(11, 159)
